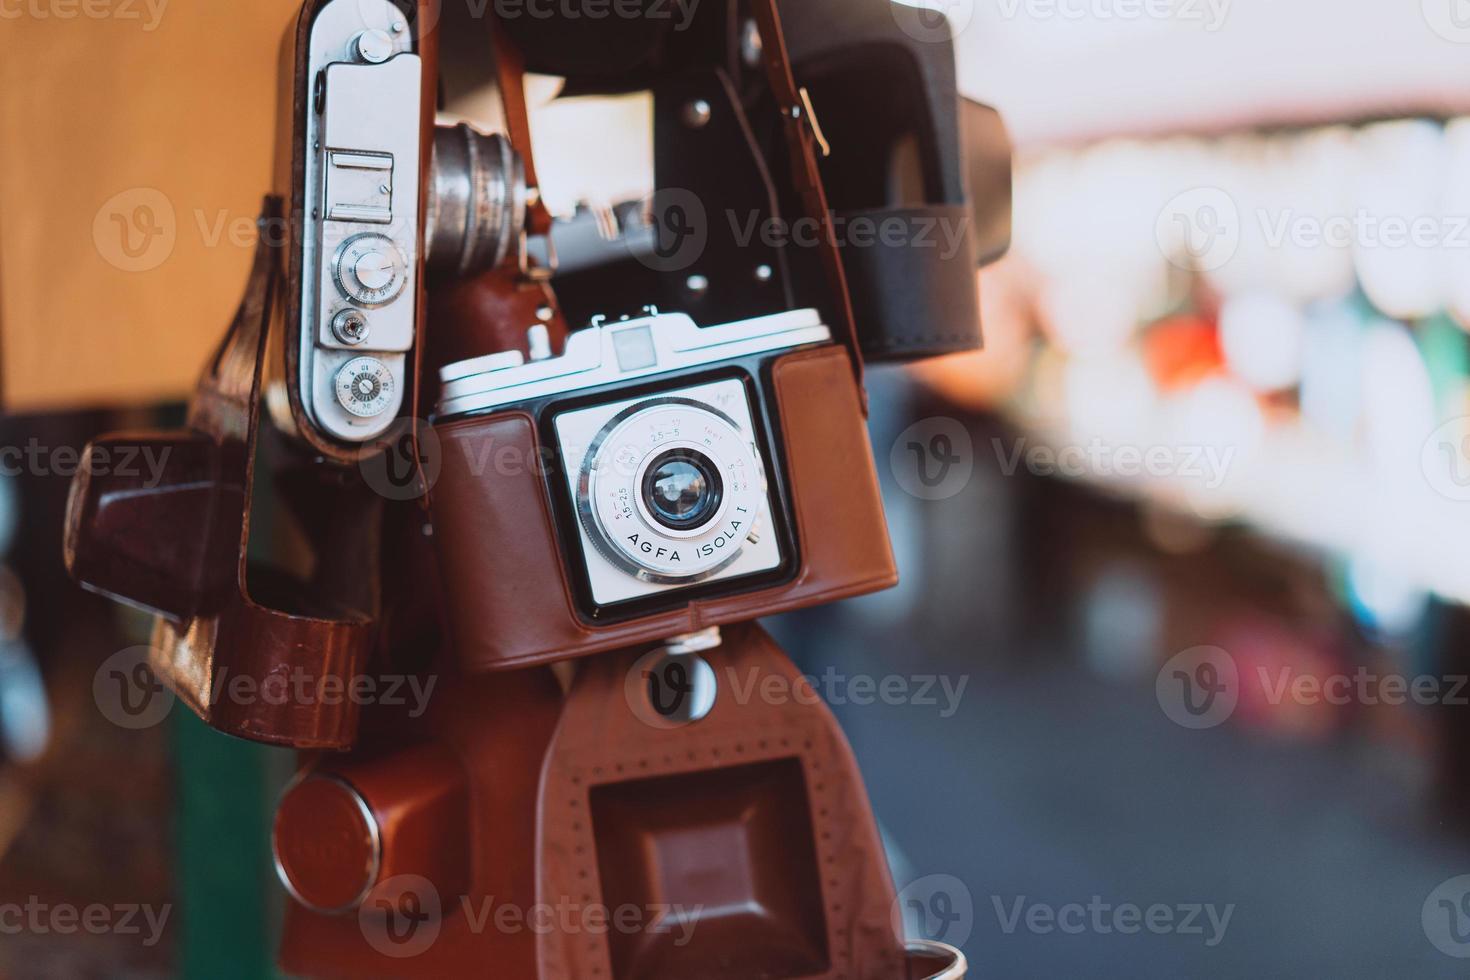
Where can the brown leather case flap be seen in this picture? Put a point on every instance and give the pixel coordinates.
(510, 598)
(173, 539)
(744, 839)
(144, 531)
(482, 864)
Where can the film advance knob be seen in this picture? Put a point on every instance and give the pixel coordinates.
(370, 269)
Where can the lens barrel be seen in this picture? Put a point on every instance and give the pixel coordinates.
(477, 201)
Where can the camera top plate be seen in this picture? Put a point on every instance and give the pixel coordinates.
(605, 353)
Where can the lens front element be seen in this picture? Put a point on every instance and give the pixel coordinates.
(682, 489)
(671, 490)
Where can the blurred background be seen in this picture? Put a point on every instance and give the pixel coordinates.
(1185, 550)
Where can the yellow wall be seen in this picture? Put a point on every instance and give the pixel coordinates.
(109, 108)
(158, 123)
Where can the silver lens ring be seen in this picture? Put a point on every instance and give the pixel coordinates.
(618, 521)
(681, 450)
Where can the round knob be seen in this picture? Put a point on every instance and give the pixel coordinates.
(345, 828)
(374, 270)
(364, 386)
(370, 269)
(328, 844)
(350, 327)
(373, 46)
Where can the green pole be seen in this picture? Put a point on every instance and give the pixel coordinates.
(229, 902)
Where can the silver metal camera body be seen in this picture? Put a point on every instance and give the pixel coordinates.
(661, 442)
(361, 226)
(360, 208)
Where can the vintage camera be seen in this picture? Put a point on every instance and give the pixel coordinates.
(379, 198)
(657, 478)
(668, 481)
(354, 186)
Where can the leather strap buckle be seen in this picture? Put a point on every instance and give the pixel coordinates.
(807, 114)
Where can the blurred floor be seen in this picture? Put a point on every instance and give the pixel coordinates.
(1059, 778)
(1051, 785)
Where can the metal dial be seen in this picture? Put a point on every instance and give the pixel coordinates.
(364, 386)
(350, 327)
(370, 269)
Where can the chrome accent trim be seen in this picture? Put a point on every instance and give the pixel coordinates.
(599, 536)
(374, 831)
(957, 968)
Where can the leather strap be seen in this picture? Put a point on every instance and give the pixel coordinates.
(804, 138)
(515, 279)
(511, 69)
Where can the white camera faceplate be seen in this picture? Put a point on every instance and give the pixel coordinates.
(605, 451)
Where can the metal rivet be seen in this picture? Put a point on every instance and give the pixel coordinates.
(696, 284)
(750, 44)
(350, 327)
(763, 273)
(697, 114)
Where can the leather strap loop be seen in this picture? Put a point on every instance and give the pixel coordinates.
(804, 138)
(511, 69)
(519, 276)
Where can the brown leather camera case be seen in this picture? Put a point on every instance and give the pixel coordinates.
(749, 830)
(509, 595)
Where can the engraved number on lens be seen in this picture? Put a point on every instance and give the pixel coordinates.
(671, 490)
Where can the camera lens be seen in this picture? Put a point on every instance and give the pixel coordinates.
(682, 489)
(669, 489)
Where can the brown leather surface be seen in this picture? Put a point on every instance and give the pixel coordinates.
(509, 598)
(558, 788)
(490, 312)
(221, 622)
(510, 69)
(325, 843)
(690, 855)
(113, 539)
(496, 729)
(418, 806)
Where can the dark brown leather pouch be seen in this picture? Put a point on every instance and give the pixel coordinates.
(230, 639)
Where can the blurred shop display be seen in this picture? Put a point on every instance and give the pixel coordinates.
(86, 804)
(1230, 379)
(1267, 329)
(24, 713)
(24, 716)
